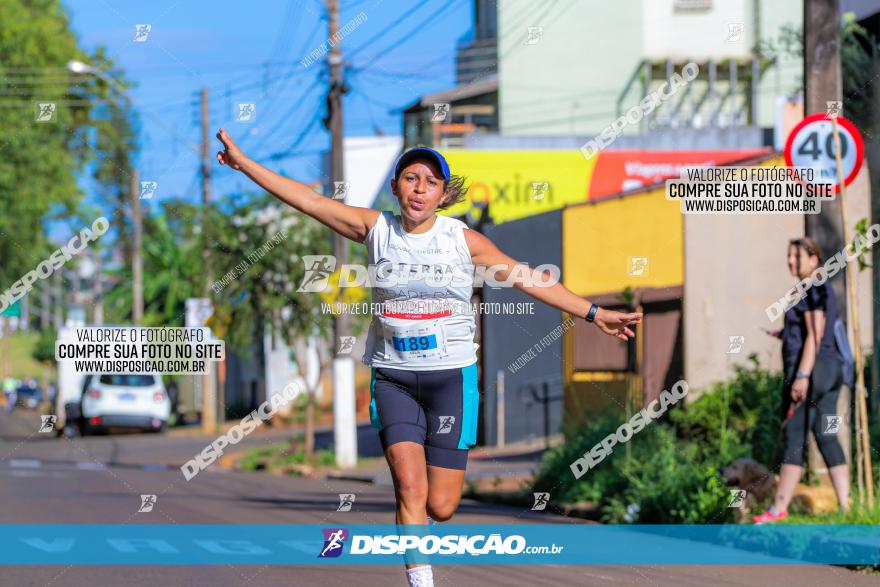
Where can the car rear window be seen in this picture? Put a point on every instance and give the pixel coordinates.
(128, 380)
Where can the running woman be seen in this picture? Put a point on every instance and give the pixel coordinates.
(424, 395)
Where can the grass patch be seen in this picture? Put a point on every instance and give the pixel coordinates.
(21, 364)
(858, 514)
(282, 455)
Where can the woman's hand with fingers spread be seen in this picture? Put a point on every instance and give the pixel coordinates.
(231, 155)
(616, 323)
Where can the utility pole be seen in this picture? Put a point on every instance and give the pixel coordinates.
(137, 260)
(45, 304)
(209, 387)
(97, 287)
(344, 417)
(823, 83)
(58, 301)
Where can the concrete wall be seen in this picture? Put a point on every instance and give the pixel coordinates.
(671, 33)
(735, 265)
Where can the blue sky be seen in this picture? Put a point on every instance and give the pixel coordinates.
(251, 52)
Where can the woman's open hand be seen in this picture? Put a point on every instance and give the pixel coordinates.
(616, 323)
(231, 155)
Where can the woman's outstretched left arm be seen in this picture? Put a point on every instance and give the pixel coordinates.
(485, 254)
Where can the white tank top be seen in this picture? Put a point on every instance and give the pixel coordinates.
(424, 283)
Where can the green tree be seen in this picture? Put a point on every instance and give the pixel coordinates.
(172, 269)
(38, 160)
(256, 260)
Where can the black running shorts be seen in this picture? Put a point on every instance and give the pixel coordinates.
(437, 409)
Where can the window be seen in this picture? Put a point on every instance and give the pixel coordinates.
(128, 380)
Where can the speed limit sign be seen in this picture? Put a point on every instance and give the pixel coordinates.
(811, 144)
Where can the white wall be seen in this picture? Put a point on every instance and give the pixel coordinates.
(587, 53)
(569, 82)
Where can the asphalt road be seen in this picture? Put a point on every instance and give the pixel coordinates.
(45, 480)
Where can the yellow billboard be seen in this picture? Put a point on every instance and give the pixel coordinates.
(516, 184)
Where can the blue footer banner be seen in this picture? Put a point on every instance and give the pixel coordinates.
(568, 544)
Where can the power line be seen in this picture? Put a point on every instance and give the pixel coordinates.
(302, 135)
(446, 6)
(293, 108)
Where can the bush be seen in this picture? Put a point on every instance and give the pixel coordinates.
(739, 417)
(672, 472)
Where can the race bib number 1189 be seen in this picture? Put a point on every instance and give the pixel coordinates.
(407, 344)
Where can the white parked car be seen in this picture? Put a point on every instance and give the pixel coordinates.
(124, 401)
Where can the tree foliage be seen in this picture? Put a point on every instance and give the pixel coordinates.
(38, 160)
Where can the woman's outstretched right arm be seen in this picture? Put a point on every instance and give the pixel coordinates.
(350, 221)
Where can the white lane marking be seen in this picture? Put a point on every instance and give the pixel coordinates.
(32, 474)
(90, 466)
(25, 463)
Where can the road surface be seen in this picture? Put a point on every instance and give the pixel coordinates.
(99, 480)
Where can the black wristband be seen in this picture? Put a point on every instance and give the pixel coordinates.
(592, 313)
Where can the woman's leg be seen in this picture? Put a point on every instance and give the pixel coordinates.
(409, 473)
(840, 479)
(827, 379)
(794, 431)
(444, 492)
(789, 476)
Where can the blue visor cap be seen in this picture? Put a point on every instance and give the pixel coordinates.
(422, 153)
